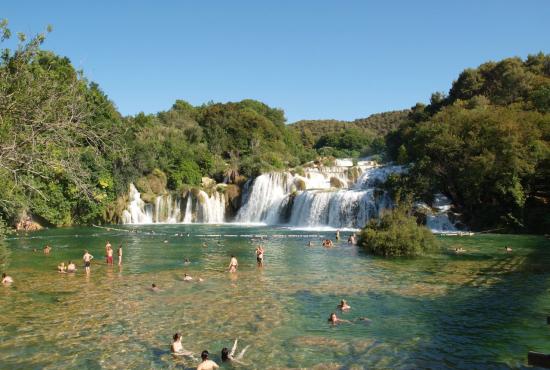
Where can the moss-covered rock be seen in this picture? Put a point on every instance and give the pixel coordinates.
(300, 184)
(337, 183)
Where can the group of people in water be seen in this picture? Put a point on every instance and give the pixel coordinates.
(230, 356)
(176, 346)
(206, 364)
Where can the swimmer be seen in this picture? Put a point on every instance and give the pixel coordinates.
(186, 261)
(233, 264)
(260, 256)
(337, 234)
(205, 245)
(344, 306)
(87, 261)
(71, 267)
(230, 356)
(107, 246)
(47, 249)
(155, 288)
(187, 277)
(177, 348)
(119, 255)
(6, 280)
(460, 250)
(61, 267)
(508, 249)
(206, 364)
(333, 319)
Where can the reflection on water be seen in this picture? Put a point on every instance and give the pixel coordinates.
(482, 309)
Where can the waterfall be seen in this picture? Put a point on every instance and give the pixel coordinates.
(168, 209)
(137, 212)
(211, 208)
(187, 218)
(341, 196)
(438, 219)
(268, 190)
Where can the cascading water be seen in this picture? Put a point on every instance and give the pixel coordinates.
(340, 196)
(137, 212)
(201, 208)
(314, 201)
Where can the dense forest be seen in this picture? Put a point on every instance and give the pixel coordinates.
(358, 138)
(486, 145)
(67, 155)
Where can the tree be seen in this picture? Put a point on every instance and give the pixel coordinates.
(397, 234)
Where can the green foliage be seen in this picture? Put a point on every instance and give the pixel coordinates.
(397, 234)
(186, 173)
(348, 139)
(486, 145)
(4, 251)
(58, 133)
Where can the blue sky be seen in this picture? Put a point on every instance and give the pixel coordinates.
(314, 59)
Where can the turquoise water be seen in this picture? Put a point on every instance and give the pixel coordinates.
(484, 309)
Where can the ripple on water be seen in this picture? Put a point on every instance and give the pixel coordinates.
(439, 311)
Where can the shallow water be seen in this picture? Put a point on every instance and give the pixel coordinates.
(484, 309)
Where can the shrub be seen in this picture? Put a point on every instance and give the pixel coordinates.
(397, 233)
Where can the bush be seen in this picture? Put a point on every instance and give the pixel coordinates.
(396, 234)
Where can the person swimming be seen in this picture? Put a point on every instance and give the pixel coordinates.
(155, 288)
(233, 264)
(333, 319)
(206, 364)
(187, 277)
(186, 261)
(508, 249)
(6, 279)
(47, 249)
(344, 306)
(230, 356)
(177, 348)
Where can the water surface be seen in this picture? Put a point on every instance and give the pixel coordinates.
(484, 309)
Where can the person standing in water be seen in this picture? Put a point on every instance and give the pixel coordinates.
(109, 255)
(260, 256)
(107, 246)
(233, 264)
(87, 261)
(120, 255)
(337, 235)
(206, 364)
